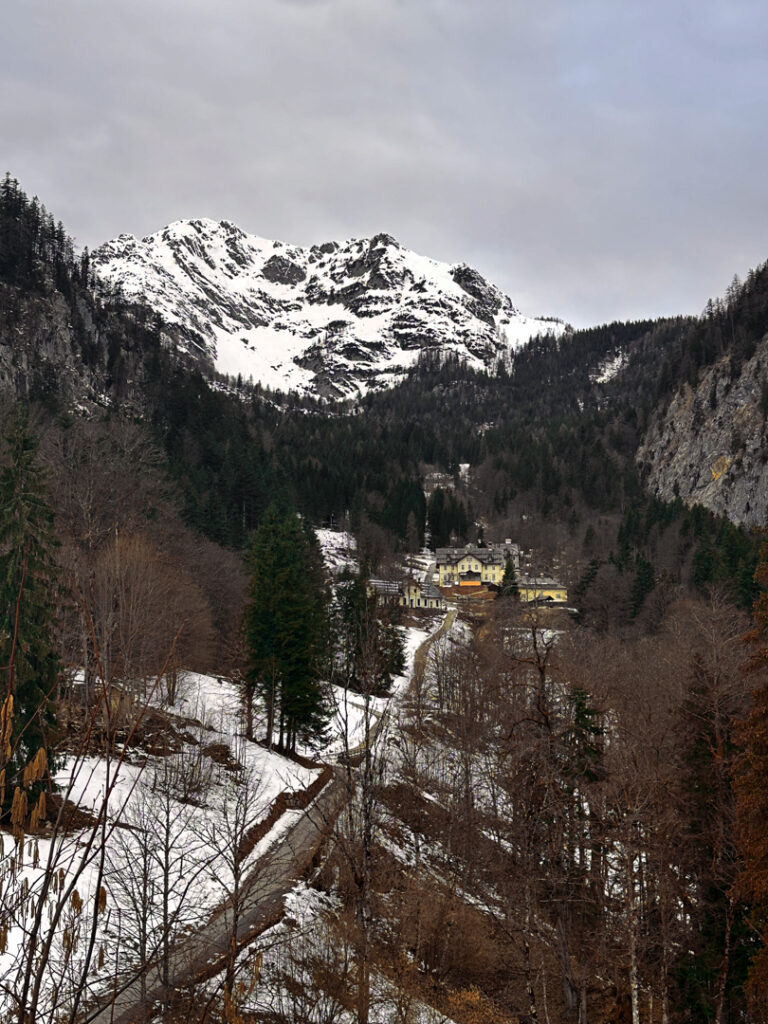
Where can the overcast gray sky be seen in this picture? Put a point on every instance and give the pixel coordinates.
(597, 159)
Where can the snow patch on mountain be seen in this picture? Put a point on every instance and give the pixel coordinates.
(609, 368)
(336, 319)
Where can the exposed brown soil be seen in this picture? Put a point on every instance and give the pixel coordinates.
(220, 753)
(284, 801)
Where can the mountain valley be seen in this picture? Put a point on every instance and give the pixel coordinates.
(227, 463)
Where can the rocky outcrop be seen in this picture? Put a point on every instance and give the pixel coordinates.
(70, 354)
(39, 352)
(281, 270)
(488, 300)
(711, 444)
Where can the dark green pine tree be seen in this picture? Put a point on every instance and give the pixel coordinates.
(28, 593)
(642, 585)
(349, 617)
(285, 631)
(509, 587)
(368, 643)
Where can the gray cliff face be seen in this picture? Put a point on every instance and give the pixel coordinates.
(55, 353)
(711, 445)
(38, 358)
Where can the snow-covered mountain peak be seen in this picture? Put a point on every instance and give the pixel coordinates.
(336, 319)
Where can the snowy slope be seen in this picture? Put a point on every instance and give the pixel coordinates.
(336, 320)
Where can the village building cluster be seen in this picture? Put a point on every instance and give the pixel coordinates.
(466, 572)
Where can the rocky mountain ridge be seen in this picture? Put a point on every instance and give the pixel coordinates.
(336, 320)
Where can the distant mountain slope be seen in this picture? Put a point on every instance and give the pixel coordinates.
(337, 319)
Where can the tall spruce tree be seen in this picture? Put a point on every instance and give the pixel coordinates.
(284, 631)
(368, 643)
(509, 587)
(28, 592)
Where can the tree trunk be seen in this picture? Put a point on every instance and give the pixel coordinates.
(544, 998)
(583, 1001)
(665, 981)
(530, 988)
(172, 683)
(723, 980)
(632, 922)
(166, 938)
(363, 977)
(270, 717)
(634, 987)
(569, 992)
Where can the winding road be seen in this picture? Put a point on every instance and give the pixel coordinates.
(204, 954)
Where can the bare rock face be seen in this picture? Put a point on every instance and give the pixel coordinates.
(54, 352)
(39, 357)
(335, 320)
(281, 270)
(488, 300)
(711, 444)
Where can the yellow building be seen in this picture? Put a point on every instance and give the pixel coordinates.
(542, 589)
(421, 595)
(473, 566)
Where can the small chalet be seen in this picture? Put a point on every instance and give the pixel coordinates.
(474, 566)
(408, 594)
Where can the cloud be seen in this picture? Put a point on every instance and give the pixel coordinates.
(596, 160)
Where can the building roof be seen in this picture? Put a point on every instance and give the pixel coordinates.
(486, 556)
(388, 587)
(539, 581)
(425, 589)
(496, 554)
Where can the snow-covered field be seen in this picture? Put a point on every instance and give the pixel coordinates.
(164, 853)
